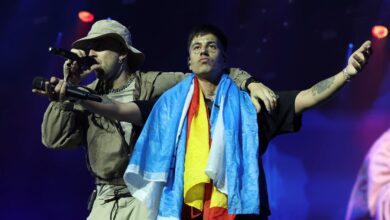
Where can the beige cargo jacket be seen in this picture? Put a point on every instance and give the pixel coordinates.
(66, 125)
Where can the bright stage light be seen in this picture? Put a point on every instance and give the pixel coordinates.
(379, 31)
(86, 16)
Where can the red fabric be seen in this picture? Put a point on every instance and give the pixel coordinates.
(193, 106)
(215, 213)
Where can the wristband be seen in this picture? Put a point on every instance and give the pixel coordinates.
(347, 76)
(249, 81)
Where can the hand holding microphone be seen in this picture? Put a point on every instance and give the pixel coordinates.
(77, 66)
(58, 89)
(85, 61)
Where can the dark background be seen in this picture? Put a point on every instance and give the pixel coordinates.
(289, 44)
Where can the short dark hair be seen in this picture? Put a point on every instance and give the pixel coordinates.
(208, 29)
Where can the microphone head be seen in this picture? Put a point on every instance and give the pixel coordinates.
(52, 50)
(85, 62)
(39, 83)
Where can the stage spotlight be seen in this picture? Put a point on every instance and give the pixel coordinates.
(349, 52)
(379, 31)
(86, 16)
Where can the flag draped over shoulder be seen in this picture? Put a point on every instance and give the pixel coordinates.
(168, 168)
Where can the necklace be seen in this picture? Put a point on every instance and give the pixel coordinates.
(120, 89)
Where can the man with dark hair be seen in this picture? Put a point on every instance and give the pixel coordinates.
(203, 138)
(109, 143)
(208, 29)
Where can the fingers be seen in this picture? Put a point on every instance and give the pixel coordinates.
(72, 63)
(63, 91)
(256, 104)
(357, 61)
(47, 91)
(268, 98)
(40, 92)
(368, 51)
(359, 58)
(362, 54)
(366, 47)
(73, 71)
(357, 65)
(273, 100)
(54, 80)
(80, 53)
(73, 66)
(60, 90)
(260, 93)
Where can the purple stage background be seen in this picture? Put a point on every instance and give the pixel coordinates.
(287, 44)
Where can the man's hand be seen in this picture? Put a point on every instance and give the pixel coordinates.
(49, 89)
(358, 59)
(60, 88)
(54, 89)
(260, 92)
(72, 70)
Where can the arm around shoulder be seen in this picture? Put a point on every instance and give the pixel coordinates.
(154, 84)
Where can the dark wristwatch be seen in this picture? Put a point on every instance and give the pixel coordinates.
(249, 81)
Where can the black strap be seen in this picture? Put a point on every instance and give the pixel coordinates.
(117, 196)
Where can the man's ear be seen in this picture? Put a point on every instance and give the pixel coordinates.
(122, 57)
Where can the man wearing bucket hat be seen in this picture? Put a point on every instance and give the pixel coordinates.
(109, 143)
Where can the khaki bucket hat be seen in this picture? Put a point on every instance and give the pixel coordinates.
(113, 29)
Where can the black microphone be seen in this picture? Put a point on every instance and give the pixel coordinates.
(71, 91)
(84, 62)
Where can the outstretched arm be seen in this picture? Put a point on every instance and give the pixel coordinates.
(323, 90)
(128, 112)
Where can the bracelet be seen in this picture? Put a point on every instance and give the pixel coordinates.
(249, 81)
(347, 76)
